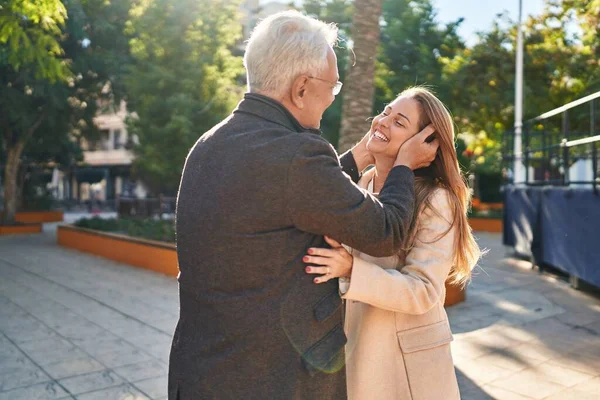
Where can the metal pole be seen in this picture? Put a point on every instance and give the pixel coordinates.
(527, 137)
(594, 150)
(565, 148)
(518, 165)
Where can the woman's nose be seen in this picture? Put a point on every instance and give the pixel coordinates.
(384, 121)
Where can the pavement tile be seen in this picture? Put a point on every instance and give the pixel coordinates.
(121, 392)
(51, 356)
(41, 391)
(91, 382)
(476, 394)
(524, 385)
(119, 358)
(166, 325)
(591, 386)
(155, 387)
(54, 343)
(579, 318)
(103, 346)
(573, 394)
(508, 358)
(69, 368)
(17, 362)
(141, 371)
(581, 362)
(501, 394)
(476, 372)
(22, 378)
(556, 374)
(467, 349)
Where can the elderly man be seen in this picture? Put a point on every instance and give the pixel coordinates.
(257, 191)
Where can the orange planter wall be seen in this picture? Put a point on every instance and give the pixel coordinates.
(156, 256)
(20, 229)
(454, 295)
(39, 216)
(486, 224)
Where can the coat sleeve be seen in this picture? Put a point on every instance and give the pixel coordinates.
(348, 164)
(322, 200)
(419, 285)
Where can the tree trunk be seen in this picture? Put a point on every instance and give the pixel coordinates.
(359, 88)
(21, 176)
(11, 170)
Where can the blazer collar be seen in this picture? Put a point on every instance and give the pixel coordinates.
(271, 110)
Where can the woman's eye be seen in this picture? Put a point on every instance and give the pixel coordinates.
(384, 114)
(399, 124)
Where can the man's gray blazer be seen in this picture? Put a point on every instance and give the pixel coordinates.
(257, 191)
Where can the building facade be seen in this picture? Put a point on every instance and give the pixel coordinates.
(105, 173)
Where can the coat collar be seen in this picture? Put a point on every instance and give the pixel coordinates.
(271, 110)
(365, 181)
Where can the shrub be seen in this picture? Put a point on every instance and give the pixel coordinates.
(162, 230)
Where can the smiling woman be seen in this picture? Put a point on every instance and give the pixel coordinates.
(397, 328)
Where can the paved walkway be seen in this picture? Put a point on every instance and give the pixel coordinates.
(74, 326)
(522, 335)
(78, 326)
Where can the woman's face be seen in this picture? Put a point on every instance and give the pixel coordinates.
(398, 122)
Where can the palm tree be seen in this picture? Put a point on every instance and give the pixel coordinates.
(359, 88)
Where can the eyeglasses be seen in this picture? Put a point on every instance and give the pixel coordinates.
(336, 86)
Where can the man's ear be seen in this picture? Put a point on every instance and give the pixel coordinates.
(299, 89)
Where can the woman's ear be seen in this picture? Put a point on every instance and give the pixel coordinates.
(299, 89)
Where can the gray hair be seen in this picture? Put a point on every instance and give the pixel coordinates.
(284, 46)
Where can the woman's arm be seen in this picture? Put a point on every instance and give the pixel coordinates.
(420, 284)
(413, 290)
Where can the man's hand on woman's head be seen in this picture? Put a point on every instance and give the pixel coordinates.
(330, 263)
(417, 152)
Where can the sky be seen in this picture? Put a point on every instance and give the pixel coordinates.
(479, 14)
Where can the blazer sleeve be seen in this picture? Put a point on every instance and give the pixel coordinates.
(322, 200)
(419, 285)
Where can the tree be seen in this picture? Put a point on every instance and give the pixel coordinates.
(41, 100)
(183, 80)
(340, 13)
(30, 59)
(558, 68)
(29, 35)
(359, 87)
(413, 44)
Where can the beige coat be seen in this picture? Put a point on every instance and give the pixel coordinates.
(398, 331)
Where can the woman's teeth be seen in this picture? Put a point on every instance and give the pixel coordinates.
(380, 136)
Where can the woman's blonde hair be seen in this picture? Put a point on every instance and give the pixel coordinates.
(444, 172)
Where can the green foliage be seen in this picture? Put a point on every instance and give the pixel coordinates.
(412, 45)
(340, 13)
(44, 115)
(480, 154)
(30, 32)
(182, 82)
(178, 62)
(162, 230)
